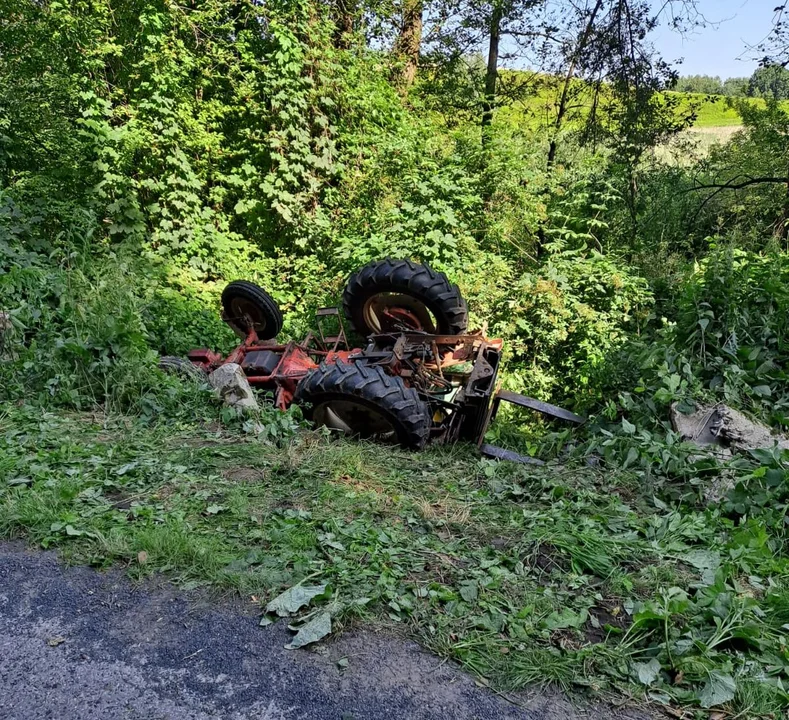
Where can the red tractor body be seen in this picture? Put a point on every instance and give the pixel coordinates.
(419, 377)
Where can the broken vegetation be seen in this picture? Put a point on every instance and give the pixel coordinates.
(582, 576)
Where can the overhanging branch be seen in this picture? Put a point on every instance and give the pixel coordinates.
(734, 185)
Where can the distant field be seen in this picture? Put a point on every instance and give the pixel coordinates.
(538, 110)
(713, 111)
(703, 138)
(715, 133)
(717, 114)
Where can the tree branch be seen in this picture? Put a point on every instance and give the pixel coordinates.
(731, 185)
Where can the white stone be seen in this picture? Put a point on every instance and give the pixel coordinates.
(726, 427)
(232, 386)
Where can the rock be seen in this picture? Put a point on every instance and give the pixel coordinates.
(723, 431)
(742, 433)
(232, 386)
(725, 427)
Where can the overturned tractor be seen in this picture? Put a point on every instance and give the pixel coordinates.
(421, 377)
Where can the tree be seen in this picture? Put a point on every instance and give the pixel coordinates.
(409, 41)
(464, 27)
(754, 165)
(775, 49)
(492, 69)
(771, 81)
(344, 15)
(735, 87)
(630, 114)
(601, 50)
(705, 84)
(579, 49)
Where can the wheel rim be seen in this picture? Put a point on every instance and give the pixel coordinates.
(240, 308)
(353, 418)
(388, 312)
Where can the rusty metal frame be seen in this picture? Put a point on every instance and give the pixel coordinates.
(398, 353)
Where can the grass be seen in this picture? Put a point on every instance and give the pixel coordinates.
(714, 112)
(537, 110)
(568, 575)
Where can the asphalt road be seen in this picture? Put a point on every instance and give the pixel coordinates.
(76, 644)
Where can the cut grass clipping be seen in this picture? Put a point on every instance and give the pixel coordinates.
(565, 575)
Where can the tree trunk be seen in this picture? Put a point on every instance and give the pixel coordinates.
(568, 79)
(409, 42)
(344, 11)
(492, 72)
(783, 226)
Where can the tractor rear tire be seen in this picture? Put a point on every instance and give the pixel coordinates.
(361, 400)
(242, 299)
(430, 289)
(181, 367)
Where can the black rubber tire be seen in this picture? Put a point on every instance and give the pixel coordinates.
(267, 316)
(369, 386)
(181, 367)
(431, 288)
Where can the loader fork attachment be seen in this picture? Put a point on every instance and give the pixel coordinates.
(543, 408)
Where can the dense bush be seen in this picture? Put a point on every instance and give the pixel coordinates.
(177, 160)
(733, 317)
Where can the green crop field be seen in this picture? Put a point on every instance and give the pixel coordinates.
(537, 109)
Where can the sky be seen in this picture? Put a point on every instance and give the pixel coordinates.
(721, 47)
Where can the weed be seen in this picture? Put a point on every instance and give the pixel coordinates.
(564, 575)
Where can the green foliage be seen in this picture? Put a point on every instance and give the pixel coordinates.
(705, 84)
(567, 319)
(759, 153)
(733, 317)
(770, 81)
(708, 85)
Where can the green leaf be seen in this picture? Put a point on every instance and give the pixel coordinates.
(469, 591)
(566, 618)
(703, 559)
(632, 456)
(647, 672)
(314, 630)
(628, 427)
(719, 689)
(294, 599)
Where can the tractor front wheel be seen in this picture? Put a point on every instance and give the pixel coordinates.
(363, 400)
(243, 303)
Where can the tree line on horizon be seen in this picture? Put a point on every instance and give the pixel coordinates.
(769, 81)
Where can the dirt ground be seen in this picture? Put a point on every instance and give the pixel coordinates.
(78, 644)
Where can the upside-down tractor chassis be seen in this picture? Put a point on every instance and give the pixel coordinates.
(420, 376)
